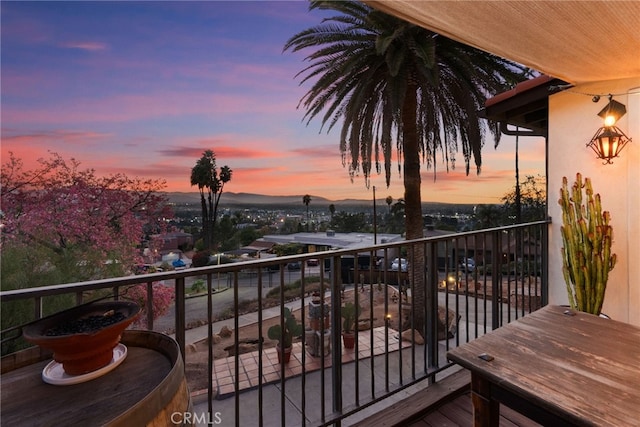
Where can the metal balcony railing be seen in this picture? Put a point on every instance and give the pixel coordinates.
(447, 290)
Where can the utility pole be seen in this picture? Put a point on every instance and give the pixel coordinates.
(375, 219)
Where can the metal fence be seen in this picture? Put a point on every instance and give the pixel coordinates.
(418, 299)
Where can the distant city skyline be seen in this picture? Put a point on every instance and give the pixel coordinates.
(143, 88)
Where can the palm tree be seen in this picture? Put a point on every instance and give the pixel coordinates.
(389, 201)
(210, 183)
(397, 85)
(306, 199)
(332, 210)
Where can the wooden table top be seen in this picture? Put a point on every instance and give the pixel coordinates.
(577, 365)
(28, 401)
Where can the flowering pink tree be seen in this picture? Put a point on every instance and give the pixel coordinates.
(64, 224)
(92, 226)
(162, 298)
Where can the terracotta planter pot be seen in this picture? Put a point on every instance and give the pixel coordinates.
(314, 323)
(286, 354)
(349, 339)
(80, 353)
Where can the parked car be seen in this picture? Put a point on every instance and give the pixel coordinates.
(467, 264)
(313, 262)
(178, 264)
(399, 264)
(294, 266)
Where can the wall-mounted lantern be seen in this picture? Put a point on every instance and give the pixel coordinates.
(609, 140)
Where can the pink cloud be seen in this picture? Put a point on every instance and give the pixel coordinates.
(300, 177)
(51, 137)
(88, 46)
(322, 151)
(123, 108)
(221, 152)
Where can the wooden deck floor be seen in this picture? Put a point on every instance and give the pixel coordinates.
(458, 412)
(446, 403)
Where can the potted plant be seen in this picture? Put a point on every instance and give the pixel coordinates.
(586, 252)
(284, 333)
(319, 315)
(83, 338)
(350, 313)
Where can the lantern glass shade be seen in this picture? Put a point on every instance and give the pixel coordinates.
(607, 143)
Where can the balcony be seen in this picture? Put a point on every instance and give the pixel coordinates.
(325, 383)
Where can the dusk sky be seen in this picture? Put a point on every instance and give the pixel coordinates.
(143, 88)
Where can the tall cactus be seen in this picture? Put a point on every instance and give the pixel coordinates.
(586, 254)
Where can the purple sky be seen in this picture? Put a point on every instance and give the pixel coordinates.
(143, 88)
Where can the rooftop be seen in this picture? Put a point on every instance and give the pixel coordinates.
(335, 240)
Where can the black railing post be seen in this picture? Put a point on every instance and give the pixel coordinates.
(37, 307)
(180, 315)
(149, 306)
(431, 304)
(496, 276)
(210, 345)
(544, 267)
(336, 343)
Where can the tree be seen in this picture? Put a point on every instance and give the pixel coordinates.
(63, 224)
(210, 183)
(224, 233)
(89, 226)
(528, 198)
(391, 80)
(395, 219)
(332, 210)
(288, 249)
(389, 201)
(306, 199)
(487, 216)
(345, 222)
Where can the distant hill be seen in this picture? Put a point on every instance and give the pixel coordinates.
(230, 198)
(253, 200)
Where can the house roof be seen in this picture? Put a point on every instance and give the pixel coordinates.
(525, 106)
(575, 41)
(333, 240)
(259, 245)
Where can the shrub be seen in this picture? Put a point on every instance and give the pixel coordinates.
(198, 286)
(200, 259)
(162, 298)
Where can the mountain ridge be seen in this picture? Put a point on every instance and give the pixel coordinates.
(253, 199)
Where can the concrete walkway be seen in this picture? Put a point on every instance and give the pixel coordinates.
(200, 333)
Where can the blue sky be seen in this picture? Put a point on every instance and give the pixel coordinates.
(143, 88)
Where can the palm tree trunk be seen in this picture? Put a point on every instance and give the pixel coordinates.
(205, 223)
(413, 206)
(412, 180)
(211, 220)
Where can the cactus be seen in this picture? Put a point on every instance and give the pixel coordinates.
(291, 328)
(586, 252)
(350, 313)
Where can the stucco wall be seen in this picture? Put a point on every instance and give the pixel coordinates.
(573, 121)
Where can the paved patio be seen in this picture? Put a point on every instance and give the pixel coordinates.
(301, 362)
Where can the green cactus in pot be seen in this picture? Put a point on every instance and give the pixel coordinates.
(586, 252)
(350, 313)
(291, 329)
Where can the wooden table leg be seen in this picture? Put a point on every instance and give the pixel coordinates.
(486, 411)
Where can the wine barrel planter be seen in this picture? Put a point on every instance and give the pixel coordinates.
(148, 388)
